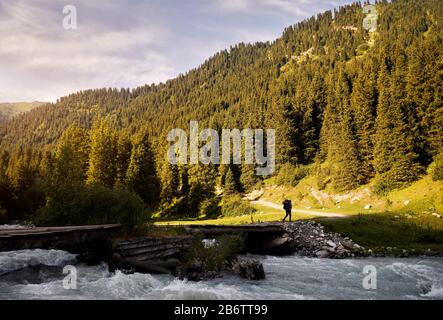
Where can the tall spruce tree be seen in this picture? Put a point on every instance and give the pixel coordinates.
(102, 156)
(363, 105)
(141, 176)
(122, 158)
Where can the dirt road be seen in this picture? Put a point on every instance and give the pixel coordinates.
(310, 212)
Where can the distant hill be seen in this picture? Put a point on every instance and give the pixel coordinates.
(8, 110)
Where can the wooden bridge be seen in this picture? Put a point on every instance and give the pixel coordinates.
(72, 238)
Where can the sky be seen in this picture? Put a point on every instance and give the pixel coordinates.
(127, 43)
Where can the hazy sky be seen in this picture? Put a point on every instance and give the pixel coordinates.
(127, 43)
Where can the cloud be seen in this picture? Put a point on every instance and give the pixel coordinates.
(126, 43)
(299, 8)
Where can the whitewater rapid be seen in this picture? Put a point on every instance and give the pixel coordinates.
(38, 274)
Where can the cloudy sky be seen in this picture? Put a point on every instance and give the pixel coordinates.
(127, 43)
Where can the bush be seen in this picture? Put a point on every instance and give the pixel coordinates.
(290, 175)
(361, 49)
(234, 206)
(175, 207)
(323, 178)
(224, 251)
(437, 173)
(382, 187)
(210, 207)
(92, 204)
(386, 183)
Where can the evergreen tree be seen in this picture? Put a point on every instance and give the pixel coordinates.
(102, 156)
(141, 176)
(71, 158)
(230, 187)
(123, 156)
(394, 155)
(248, 177)
(312, 118)
(363, 105)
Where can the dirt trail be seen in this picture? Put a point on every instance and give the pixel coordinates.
(310, 212)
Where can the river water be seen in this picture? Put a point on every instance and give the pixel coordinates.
(38, 274)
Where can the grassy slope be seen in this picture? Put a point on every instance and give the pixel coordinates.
(402, 219)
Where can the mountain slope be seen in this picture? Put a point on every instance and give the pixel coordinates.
(356, 106)
(9, 110)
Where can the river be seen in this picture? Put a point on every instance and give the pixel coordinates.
(38, 274)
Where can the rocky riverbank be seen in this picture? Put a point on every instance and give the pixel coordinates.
(309, 238)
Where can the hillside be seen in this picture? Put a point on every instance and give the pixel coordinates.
(9, 110)
(355, 107)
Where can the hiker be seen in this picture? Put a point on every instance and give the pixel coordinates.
(287, 206)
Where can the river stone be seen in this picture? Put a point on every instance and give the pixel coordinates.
(331, 243)
(322, 254)
(249, 269)
(348, 245)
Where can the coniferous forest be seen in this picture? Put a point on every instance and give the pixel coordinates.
(349, 106)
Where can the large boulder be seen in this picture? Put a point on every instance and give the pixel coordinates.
(249, 269)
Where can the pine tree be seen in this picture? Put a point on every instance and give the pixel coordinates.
(312, 118)
(71, 158)
(123, 156)
(338, 139)
(394, 156)
(248, 177)
(363, 105)
(102, 157)
(230, 187)
(286, 122)
(141, 176)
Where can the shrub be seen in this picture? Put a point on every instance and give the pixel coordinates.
(175, 207)
(323, 178)
(225, 250)
(437, 173)
(382, 187)
(210, 207)
(290, 175)
(92, 204)
(234, 206)
(386, 183)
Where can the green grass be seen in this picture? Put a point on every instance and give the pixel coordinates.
(401, 219)
(380, 230)
(264, 214)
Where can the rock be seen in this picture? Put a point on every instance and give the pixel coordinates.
(331, 243)
(209, 243)
(406, 202)
(194, 272)
(254, 195)
(368, 206)
(348, 245)
(249, 269)
(322, 254)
